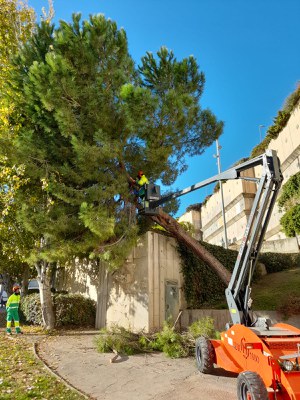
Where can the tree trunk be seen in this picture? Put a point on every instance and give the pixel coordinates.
(174, 228)
(25, 279)
(44, 280)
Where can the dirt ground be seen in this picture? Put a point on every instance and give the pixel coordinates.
(141, 377)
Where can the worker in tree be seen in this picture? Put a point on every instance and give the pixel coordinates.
(12, 309)
(141, 181)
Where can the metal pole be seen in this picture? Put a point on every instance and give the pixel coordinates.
(222, 197)
(260, 126)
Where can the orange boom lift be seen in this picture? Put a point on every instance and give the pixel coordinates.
(266, 357)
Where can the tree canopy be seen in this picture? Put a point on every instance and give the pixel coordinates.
(89, 119)
(16, 25)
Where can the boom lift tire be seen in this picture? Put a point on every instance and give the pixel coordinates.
(250, 386)
(205, 355)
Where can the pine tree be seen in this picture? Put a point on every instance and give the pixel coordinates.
(89, 120)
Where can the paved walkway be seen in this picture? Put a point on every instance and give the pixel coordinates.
(73, 357)
(140, 377)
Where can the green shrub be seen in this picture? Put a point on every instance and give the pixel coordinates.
(30, 307)
(70, 310)
(276, 262)
(296, 260)
(74, 310)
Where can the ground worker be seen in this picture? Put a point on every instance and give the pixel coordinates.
(12, 309)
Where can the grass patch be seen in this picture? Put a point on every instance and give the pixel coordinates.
(23, 377)
(272, 290)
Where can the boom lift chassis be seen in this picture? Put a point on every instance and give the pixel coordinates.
(267, 358)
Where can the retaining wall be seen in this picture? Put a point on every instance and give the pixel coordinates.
(221, 317)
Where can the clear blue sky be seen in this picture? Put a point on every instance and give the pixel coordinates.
(248, 50)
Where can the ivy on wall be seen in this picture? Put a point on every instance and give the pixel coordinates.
(204, 289)
(289, 202)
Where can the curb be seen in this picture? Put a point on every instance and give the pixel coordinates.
(58, 376)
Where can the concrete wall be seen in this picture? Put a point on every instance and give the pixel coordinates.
(80, 276)
(127, 291)
(134, 296)
(163, 267)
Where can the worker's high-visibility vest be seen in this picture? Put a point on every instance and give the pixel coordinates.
(13, 301)
(143, 181)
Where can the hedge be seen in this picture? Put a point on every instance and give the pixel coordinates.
(70, 310)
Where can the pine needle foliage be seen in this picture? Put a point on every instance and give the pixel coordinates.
(88, 120)
(169, 341)
(203, 327)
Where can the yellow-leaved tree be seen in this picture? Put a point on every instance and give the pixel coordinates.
(17, 22)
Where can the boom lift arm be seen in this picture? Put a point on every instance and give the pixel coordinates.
(238, 290)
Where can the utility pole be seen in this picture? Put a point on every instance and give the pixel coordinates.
(221, 191)
(259, 127)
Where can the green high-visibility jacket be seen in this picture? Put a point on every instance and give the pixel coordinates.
(13, 302)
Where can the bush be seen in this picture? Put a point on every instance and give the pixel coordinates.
(70, 310)
(276, 262)
(296, 260)
(30, 308)
(74, 310)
